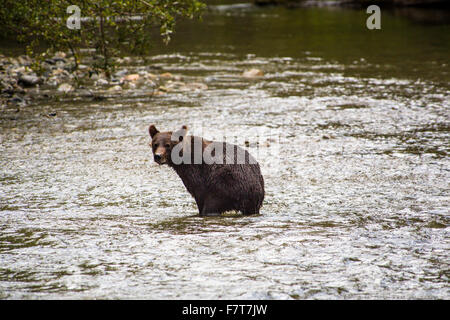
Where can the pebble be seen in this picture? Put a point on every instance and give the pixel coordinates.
(252, 73)
(176, 85)
(150, 83)
(65, 87)
(94, 76)
(59, 54)
(59, 71)
(17, 99)
(18, 70)
(210, 79)
(158, 93)
(101, 82)
(24, 60)
(131, 77)
(29, 80)
(121, 73)
(150, 76)
(181, 86)
(197, 86)
(85, 93)
(166, 75)
(131, 85)
(115, 88)
(53, 81)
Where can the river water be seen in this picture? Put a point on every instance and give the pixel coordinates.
(351, 128)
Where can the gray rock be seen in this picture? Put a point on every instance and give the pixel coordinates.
(18, 70)
(65, 87)
(252, 73)
(150, 83)
(86, 93)
(60, 63)
(93, 76)
(196, 86)
(29, 80)
(210, 79)
(121, 73)
(24, 60)
(16, 99)
(101, 82)
(59, 54)
(115, 89)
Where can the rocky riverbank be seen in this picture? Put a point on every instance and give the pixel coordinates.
(57, 77)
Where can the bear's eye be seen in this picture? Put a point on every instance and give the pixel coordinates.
(167, 145)
(155, 145)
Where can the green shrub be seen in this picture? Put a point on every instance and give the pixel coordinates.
(106, 25)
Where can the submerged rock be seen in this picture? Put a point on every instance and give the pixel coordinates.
(174, 85)
(166, 75)
(211, 79)
(164, 89)
(181, 86)
(196, 86)
(158, 93)
(252, 73)
(150, 76)
(86, 93)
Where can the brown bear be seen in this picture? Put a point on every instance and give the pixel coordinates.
(220, 176)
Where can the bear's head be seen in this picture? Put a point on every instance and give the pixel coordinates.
(163, 143)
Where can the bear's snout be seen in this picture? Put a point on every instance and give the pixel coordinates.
(159, 158)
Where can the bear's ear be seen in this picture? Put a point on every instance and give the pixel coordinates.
(183, 130)
(179, 135)
(152, 130)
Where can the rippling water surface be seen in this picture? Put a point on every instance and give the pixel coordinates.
(353, 142)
